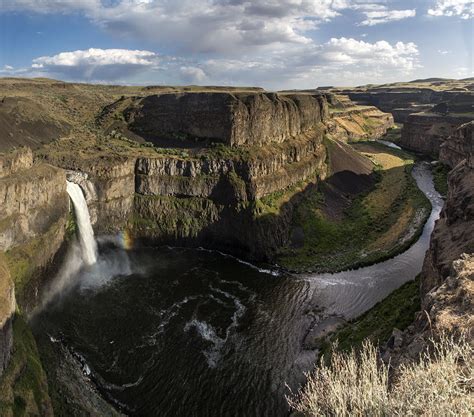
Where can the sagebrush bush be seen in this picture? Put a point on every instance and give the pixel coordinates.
(357, 384)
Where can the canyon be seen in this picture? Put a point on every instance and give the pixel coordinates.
(223, 169)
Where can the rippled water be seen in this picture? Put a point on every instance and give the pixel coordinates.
(350, 293)
(198, 333)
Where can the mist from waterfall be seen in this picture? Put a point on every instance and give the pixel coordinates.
(82, 265)
(86, 233)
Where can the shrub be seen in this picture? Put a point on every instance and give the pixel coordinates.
(357, 384)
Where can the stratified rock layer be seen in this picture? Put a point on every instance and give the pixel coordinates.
(7, 309)
(459, 146)
(234, 119)
(426, 132)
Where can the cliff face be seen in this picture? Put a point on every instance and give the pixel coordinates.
(234, 119)
(33, 212)
(447, 278)
(358, 123)
(7, 309)
(454, 231)
(425, 132)
(209, 200)
(447, 309)
(459, 146)
(402, 102)
(35, 207)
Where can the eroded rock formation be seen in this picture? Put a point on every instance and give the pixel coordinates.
(426, 132)
(234, 119)
(454, 231)
(447, 278)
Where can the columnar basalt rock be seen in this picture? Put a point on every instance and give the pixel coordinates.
(459, 146)
(426, 132)
(454, 231)
(234, 119)
(402, 102)
(33, 212)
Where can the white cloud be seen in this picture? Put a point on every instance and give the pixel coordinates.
(265, 42)
(97, 64)
(462, 8)
(340, 59)
(303, 66)
(192, 74)
(383, 16)
(220, 26)
(49, 6)
(443, 52)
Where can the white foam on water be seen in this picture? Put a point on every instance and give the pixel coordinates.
(208, 333)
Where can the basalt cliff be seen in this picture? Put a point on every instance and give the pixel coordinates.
(198, 167)
(165, 165)
(447, 279)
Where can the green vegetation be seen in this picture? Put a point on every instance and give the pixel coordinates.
(358, 384)
(272, 203)
(395, 311)
(23, 387)
(440, 178)
(374, 226)
(71, 225)
(179, 217)
(393, 133)
(223, 151)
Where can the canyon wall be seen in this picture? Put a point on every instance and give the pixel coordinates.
(211, 200)
(351, 123)
(220, 197)
(447, 278)
(425, 132)
(231, 118)
(34, 209)
(454, 231)
(402, 102)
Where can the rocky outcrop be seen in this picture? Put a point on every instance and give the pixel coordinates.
(234, 119)
(426, 132)
(34, 209)
(459, 146)
(16, 160)
(454, 231)
(33, 213)
(447, 278)
(402, 102)
(355, 123)
(7, 309)
(208, 200)
(447, 309)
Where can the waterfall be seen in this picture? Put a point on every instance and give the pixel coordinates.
(86, 234)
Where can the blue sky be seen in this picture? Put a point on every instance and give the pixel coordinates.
(273, 44)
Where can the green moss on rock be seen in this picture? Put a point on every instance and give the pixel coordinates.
(23, 387)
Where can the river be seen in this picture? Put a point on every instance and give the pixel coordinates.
(187, 332)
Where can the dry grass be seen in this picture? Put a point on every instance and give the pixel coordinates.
(357, 384)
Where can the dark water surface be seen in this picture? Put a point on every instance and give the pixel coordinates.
(195, 333)
(188, 333)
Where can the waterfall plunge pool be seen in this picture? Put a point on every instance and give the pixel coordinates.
(182, 332)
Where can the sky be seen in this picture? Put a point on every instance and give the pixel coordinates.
(275, 44)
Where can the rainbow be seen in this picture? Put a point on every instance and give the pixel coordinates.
(126, 239)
